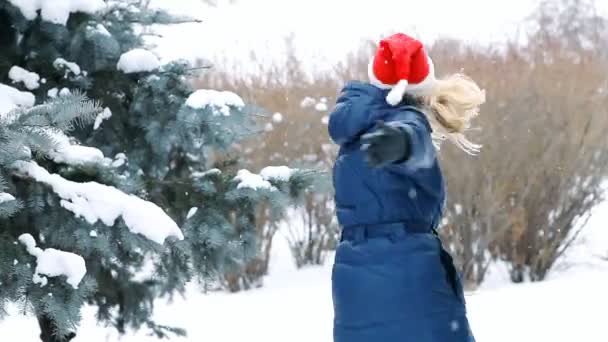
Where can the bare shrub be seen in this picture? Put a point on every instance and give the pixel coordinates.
(312, 231)
(252, 274)
(526, 196)
(293, 133)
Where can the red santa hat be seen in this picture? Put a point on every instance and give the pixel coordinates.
(402, 65)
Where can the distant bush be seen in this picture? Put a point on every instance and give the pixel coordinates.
(530, 191)
(524, 199)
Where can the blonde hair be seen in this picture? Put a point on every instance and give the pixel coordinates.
(454, 101)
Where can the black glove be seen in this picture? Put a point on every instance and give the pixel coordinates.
(385, 144)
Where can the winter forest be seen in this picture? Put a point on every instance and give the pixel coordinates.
(166, 168)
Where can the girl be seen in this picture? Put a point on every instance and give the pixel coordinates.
(392, 281)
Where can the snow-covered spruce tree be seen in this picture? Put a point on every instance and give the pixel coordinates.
(170, 147)
(32, 145)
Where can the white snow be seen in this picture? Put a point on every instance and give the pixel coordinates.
(210, 172)
(97, 202)
(253, 181)
(327, 148)
(191, 212)
(412, 193)
(6, 197)
(93, 233)
(568, 307)
(56, 11)
(137, 60)
(268, 127)
(54, 263)
(279, 173)
(31, 80)
(325, 120)
(106, 114)
(277, 117)
(65, 92)
(119, 160)
(40, 280)
(11, 98)
(219, 101)
(75, 155)
(101, 29)
(52, 93)
(69, 66)
(321, 107)
(308, 102)
(458, 208)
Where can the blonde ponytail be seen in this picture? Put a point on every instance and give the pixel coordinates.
(452, 104)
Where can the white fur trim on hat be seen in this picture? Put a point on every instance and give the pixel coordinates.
(395, 96)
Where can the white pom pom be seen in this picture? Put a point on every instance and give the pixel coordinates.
(396, 94)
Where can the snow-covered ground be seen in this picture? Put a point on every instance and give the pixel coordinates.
(296, 305)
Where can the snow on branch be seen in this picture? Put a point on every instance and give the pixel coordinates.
(137, 60)
(203, 174)
(54, 263)
(97, 202)
(6, 197)
(75, 155)
(56, 11)
(72, 67)
(268, 174)
(11, 98)
(105, 115)
(219, 101)
(31, 80)
(252, 181)
(277, 173)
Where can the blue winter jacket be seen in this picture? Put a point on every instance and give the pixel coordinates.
(389, 285)
(408, 192)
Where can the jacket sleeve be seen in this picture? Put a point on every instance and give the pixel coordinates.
(338, 123)
(422, 151)
(350, 117)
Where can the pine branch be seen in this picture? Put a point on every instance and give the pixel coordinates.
(63, 113)
(204, 67)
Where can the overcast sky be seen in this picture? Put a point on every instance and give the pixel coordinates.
(325, 30)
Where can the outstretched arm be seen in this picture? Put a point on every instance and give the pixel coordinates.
(402, 140)
(387, 143)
